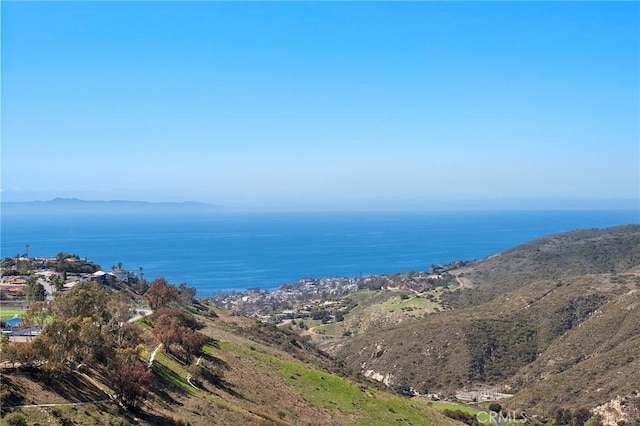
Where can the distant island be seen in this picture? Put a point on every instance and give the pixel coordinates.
(77, 206)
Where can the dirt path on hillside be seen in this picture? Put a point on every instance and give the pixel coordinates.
(459, 281)
(153, 354)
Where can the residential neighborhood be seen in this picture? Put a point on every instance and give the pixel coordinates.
(308, 296)
(24, 280)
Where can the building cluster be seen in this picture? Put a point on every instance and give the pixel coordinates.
(293, 300)
(54, 274)
(311, 295)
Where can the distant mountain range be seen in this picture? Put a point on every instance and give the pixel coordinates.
(77, 206)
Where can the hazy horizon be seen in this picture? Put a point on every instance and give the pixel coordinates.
(323, 106)
(441, 206)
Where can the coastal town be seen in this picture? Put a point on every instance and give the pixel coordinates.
(25, 279)
(314, 297)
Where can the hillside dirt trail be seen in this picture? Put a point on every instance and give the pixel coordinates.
(459, 281)
(153, 354)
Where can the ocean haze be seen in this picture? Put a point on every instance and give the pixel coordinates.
(74, 205)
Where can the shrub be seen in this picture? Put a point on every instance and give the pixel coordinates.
(133, 382)
(495, 407)
(461, 416)
(594, 421)
(15, 419)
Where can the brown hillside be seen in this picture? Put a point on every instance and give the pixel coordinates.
(576, 253)
(542, 328)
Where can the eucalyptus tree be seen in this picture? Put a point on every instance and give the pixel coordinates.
(83, 325)
(35, 291)
(160, 293)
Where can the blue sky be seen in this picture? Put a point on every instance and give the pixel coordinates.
(323, 106)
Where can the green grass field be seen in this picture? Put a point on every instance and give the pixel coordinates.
(441, 406)
(368, 303)
(352, 403)
(6, 313)
(412, 306)
(331, 330)
(392, 301)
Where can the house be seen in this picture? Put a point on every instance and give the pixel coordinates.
(70, 285)
(16, 280)
(12, 291)
(103, 278)
(123, 275)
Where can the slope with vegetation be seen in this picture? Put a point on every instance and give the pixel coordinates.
(213, 366)
(554, 321)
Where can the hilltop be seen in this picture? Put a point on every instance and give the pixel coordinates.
(577, 253)
(554, 322)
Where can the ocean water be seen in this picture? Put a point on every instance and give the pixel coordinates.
(237, 251)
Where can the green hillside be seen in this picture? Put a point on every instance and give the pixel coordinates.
(248, 373)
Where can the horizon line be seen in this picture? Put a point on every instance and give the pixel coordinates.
(497, 205)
